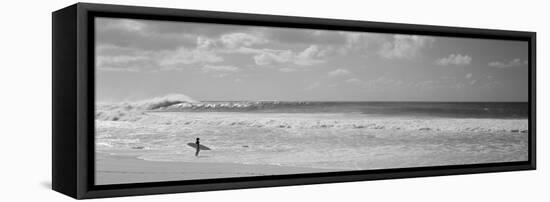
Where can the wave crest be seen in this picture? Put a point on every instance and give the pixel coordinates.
(237, 106)
(165, 101)
(134, 111)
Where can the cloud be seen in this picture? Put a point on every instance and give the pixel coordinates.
(491, 84)
(303, 36)
(140, 34)
(220, 71)
(308, 53)
(354, 81)
(206, 43)
(120, 62)
(455, 82)
(115, 58)
(287, 69)
(307, 57)
(220, 68)
(269, 56)
(183, 56)
(167, 35)
(362, 42)
(329, 42)
(230, 43)
(339, 72)
(375, 83)
(163, 45)
(205, 51)
(121, 24)
(383, 81)
(439, 84)
(313, 86)
(243, 43)
(454, 59)
(405, 46)
(236, 40)
(508, 64)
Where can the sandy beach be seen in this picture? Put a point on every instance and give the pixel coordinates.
(121, 169)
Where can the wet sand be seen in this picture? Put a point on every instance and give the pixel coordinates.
(122, 169)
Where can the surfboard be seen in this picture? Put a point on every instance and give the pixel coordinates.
(202, 147)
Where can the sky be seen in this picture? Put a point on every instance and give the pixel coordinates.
(140, 59)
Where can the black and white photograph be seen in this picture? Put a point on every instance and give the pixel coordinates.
(185, 101)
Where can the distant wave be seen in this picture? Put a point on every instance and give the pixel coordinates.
(165, 101)
(133, 111)
(234, 106)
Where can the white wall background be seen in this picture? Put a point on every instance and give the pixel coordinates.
(25, 103)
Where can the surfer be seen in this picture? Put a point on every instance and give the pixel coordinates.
(198, 147)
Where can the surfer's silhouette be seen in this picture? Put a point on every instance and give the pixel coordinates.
(198, 147)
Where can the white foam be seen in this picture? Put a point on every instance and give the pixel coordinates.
(321, 121)
(350, 141)
(134, 111)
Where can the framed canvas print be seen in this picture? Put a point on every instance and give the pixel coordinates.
(154, 100)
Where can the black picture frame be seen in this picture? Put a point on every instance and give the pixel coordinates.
(73, 100)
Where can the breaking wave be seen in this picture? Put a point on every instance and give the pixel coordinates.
(165, 101)
(182, 103)
(133, 111)
(242, 106)
(320, 115)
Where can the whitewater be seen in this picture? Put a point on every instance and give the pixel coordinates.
(344, 136)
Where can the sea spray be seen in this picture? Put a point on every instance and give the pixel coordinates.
(134, 111)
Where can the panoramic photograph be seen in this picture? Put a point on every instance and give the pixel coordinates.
(189, 101)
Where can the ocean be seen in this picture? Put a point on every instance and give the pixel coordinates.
(331, 135)
(506, 110)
